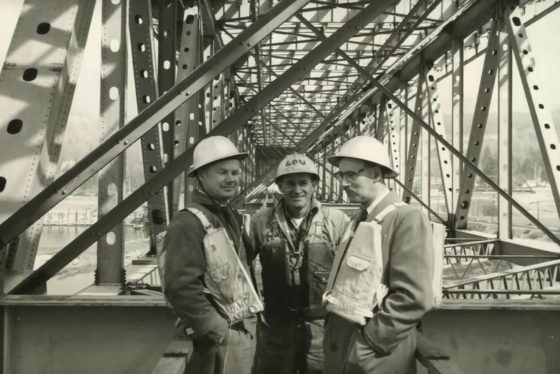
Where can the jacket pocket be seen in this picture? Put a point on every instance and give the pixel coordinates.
(355, 279)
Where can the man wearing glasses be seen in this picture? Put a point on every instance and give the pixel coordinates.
(296, 241)
(381, 282)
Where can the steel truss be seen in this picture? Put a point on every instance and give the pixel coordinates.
(175, 166)
(268, 98)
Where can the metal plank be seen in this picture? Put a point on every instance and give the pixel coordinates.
(110, 247)
(51, 40)
(168, 102)
(478, 128)
(140, 31)
(444, 157)
(539, 106)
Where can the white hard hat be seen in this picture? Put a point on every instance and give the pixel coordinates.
(296, 164)
(212, 149)
(367, 149)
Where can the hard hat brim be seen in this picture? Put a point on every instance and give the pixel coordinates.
(297, 172)
(238, 156)
(388, 173)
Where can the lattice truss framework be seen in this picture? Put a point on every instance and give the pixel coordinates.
(276, 77)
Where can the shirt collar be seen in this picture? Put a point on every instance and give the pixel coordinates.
(376, 202)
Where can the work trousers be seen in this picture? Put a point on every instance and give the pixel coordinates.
(348, 352)
(289, 347)
(234, 355)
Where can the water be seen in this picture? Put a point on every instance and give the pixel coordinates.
(79, 274)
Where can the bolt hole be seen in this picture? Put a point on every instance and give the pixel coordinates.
(516, 21)
(141, 47)
(14, 126)
(2, 183)
(43, 28)
(541, 106)
(151, 146)
(153, 169)
(553, 146)
(147, 99)
(546, 126)
(190, 19)
(29, 74)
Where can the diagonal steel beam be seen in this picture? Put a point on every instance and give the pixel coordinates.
(479, 122)
(539, 106)
(468, 163)
(388, 93)
(176, 166)
(165, 104)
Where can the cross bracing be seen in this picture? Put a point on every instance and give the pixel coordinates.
(305, 76)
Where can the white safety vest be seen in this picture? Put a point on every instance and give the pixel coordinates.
(225, 278)
(355, 285)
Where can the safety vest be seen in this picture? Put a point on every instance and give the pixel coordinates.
(226, 279)
(355, 285)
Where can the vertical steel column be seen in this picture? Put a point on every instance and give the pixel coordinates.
(380, 128)
(538, 104)
(480, 118)
(188, 113)
(140, 27)
(403, 131)
(217, 97)
(37, 86)
(394, 137)
(425, 152)
(505, 135)
(444, 156)
(207, 99)
(110, 248)
(167, 44)
(457, 96)
(414, 143)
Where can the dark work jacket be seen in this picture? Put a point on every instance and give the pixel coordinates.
(185, 265)
(274, 242)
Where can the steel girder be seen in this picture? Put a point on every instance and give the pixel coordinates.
(479, 122)
(167, 39)
(37, 86)
(148, 118)
(414, 143)
(140, 27)
(538, 104)
(110, 247)
(505, 138)
(176, 166)
(435, 107)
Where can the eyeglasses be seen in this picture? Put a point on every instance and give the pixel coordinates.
(348, 175)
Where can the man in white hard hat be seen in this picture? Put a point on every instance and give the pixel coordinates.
(296, 242)
(206, 265)
(381, 282)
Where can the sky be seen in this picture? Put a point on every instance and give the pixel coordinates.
(84, 113)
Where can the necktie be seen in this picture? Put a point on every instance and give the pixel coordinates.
(361, 217)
